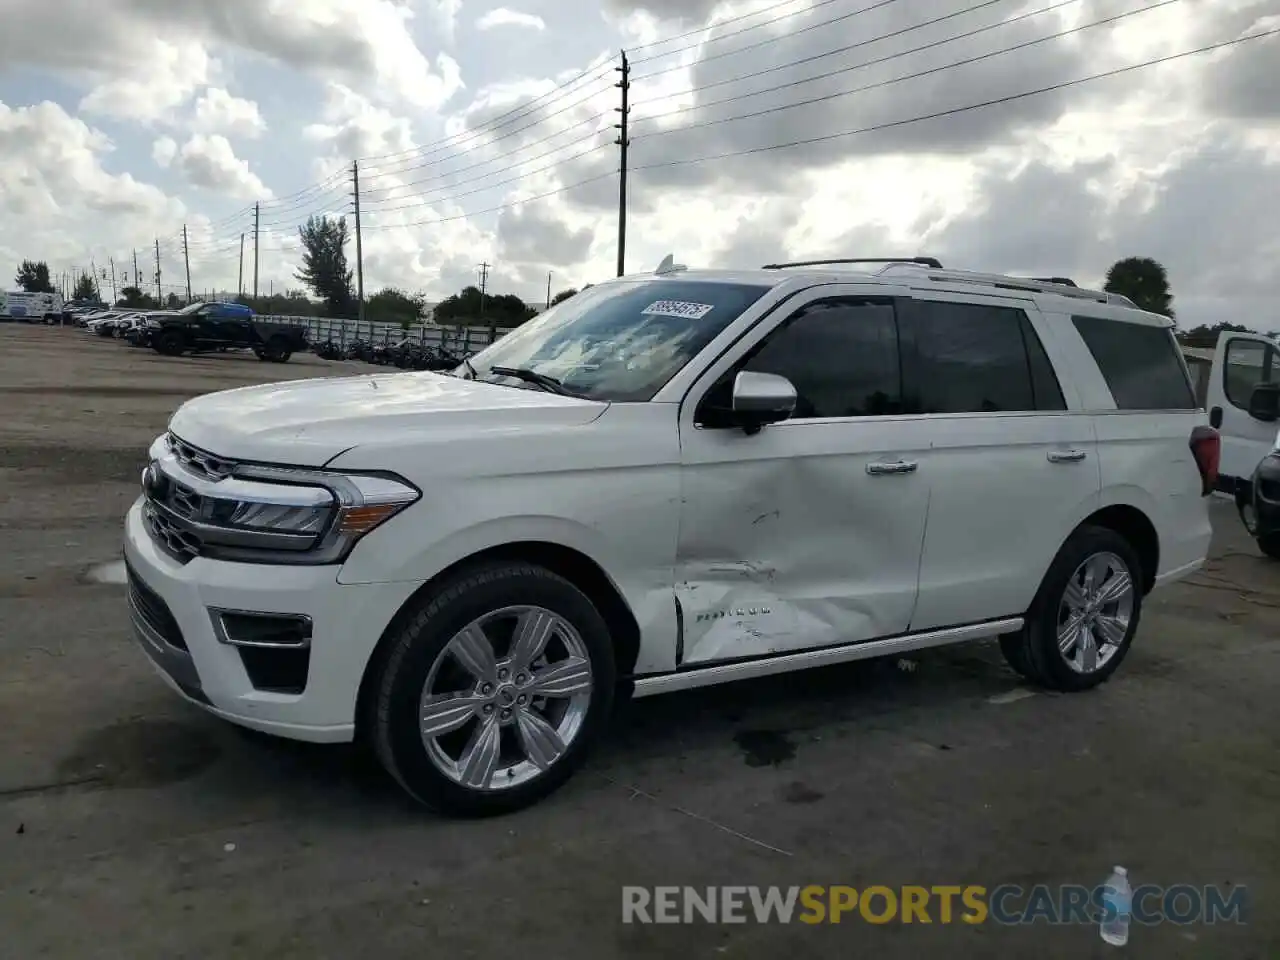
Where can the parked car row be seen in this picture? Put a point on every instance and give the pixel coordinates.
(199, 328)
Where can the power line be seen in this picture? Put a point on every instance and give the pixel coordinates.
(910, 76)
(502, 206)
(755, 26)
(708, 26)
(768, 40)
(862, 43)
(520, 176)
(809, 141)
(515, 113)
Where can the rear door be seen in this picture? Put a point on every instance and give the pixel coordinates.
(1013, 465)
(1240, 363)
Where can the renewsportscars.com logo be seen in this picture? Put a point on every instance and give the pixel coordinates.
(1007, 904)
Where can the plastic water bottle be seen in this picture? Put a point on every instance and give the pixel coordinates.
(1117, 899)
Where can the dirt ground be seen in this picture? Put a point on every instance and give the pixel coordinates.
(134, 826)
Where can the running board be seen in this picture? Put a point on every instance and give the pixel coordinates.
(693, 677)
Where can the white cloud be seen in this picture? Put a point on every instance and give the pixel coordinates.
(132, 72)
(164, 150)
(217, 111)
(151, 84)
(56, 199)
(208, 161)
(505, 17)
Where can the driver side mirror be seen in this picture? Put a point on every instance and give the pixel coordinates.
(1264, 402)
(760, 399)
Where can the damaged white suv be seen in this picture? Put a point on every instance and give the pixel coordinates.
(668, 481)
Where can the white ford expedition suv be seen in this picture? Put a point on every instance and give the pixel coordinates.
(668, 481)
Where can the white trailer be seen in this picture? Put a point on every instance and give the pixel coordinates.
(31, 307)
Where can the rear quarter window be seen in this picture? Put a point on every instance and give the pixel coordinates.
(1141, 363)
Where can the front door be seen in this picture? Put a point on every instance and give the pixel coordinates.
(1241, 362)
(806, 534)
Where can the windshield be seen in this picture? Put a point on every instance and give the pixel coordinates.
(194, 308)
(620, 341)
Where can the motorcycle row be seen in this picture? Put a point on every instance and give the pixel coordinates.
(407, 354)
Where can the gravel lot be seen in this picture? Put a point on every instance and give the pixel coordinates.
(134, 826)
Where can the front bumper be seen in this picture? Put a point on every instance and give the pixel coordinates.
(170, 605)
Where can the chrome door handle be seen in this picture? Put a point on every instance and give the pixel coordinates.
(1066, 456)
(895, 466)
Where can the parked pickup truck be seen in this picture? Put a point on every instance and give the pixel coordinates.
(204, 327)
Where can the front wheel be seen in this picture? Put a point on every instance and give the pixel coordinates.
(1083, 619)
(492, 693)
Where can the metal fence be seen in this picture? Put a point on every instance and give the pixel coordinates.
(464, 340)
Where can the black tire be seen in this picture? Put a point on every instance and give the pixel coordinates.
(393, 724)
(1270, 545)
(1033, 652)
(170, 344)
(276, 351)
(1013, 646)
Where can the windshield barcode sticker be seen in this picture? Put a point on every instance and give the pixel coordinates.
(678, 308)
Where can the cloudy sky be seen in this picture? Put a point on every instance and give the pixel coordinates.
(484, 133)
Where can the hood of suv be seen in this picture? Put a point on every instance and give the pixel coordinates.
(307, 423)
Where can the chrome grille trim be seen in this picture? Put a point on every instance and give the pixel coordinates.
(199, 462)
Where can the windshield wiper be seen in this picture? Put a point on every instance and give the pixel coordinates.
(550, 384)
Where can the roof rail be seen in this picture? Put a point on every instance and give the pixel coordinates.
(1028, 284)
(919, 261)
(1065, 281)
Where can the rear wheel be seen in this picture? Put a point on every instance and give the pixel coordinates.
(491, 695)
(1083, 619)
(276, 350)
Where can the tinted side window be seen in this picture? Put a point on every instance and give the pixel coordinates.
(972, 358)
(1247, 364)
(1141, 364)
(842, 357)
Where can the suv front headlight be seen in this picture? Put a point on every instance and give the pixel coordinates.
(205, 506)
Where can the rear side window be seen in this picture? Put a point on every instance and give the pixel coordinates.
(977, 358)
(1141, 364)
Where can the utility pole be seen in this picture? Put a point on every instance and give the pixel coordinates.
(114, 294)
(548, 289)
(256, 221)
(93, 272)
(623, 142)
(186, 258)
(137, 276)
(159, 294)
(240, 282)
(484, 282)
(355, 179)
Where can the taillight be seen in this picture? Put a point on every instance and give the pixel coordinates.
(1206, 447)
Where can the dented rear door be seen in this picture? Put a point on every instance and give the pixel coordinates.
(807, 534)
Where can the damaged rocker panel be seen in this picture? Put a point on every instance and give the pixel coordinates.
(702, 676)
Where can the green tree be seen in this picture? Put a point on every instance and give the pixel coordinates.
(33, 277)
(501, 310)
(324, 263)
(134, 298)
(562, 296)
(85, 288)
(390, 305)
(1144, 281)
